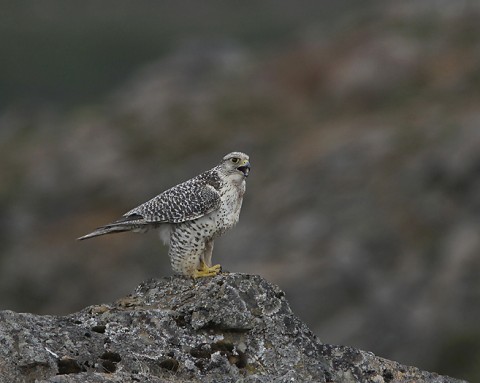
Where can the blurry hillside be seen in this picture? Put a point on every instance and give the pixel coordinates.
(363, 204)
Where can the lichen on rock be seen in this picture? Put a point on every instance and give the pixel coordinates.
(229, 328)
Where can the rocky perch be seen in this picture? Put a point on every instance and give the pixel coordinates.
(229, 328)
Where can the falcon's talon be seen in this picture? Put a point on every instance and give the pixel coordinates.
(190, 215)
(210, 272)
(206, 271)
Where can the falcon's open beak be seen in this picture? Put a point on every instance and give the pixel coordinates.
(245, 168)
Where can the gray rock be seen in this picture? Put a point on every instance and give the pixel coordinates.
(230, 328)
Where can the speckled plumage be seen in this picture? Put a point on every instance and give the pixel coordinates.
(189, 216)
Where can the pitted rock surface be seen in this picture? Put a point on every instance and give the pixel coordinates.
(229, 328)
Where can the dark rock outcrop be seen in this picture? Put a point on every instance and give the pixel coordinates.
(230, 328)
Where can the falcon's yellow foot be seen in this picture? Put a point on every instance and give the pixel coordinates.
(206, 271)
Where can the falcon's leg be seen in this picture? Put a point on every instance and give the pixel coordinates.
(207, 255)
(205, 269)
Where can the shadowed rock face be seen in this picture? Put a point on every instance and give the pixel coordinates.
(229, 328)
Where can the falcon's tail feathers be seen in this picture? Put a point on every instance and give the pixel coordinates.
(125, 224)
(104, 230)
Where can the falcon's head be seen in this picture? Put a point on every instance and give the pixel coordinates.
(236, 163)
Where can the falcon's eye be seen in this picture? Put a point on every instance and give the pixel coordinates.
(235, 160)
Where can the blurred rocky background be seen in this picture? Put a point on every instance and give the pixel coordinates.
(362, 120)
